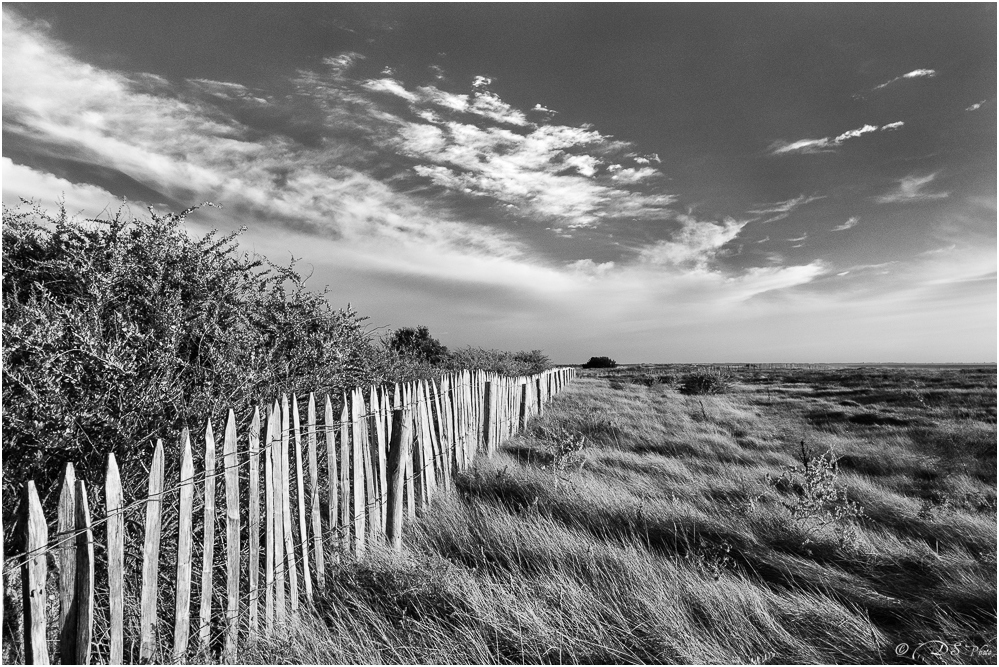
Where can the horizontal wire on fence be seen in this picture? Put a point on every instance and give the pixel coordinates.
(466, 426)
(340, 534)
(64, 537)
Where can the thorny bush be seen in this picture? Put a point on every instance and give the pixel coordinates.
(118, 332)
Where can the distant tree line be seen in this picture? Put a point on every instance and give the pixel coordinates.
(417, 344)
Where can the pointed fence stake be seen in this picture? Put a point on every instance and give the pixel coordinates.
(230, 464)
(289, 537)
(151, 558)
(253, 517)
(185, 539)
(84, 576)
(303, 532)
(33, 574)
(312, 444)
(67, 566)
(208, 553)
(113, 502)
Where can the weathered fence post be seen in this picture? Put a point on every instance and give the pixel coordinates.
(182, 611)
(371, 512)
(253, 517)
(345, 470)
(208, 553)
(331, 468)
(385, 407)
(377, 445)
(151, 558)
(285, 492)
(230, 464)
(357, 454)
(67, 565)
(84, 576)
(303, 532)
(33, 574)
(270, 527)
(487, 418)
(523, 405)
(407, 399)
(113, 503)
(398, 454)
(280, 610)
(312, 444)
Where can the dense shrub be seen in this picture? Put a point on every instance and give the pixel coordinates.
(119, 332)
(600, 362)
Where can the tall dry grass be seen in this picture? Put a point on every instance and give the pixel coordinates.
(640, 525)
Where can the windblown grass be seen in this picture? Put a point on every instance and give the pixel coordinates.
(662, 541)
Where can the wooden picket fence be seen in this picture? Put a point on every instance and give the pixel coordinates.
(387, 456)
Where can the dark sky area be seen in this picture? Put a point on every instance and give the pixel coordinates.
(654, 182)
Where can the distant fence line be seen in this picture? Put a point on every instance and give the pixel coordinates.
(767, 366)
(386, 456)
(712, 368)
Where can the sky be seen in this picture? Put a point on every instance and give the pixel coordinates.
(649, 182)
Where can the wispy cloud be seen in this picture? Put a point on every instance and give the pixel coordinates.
(478, 146)
(695, 245)
(827, 144)
(914, 74)
(223, 89)
(976, 106)
(422, 190)
(911, 189)
(851, 222)
(188, 150)
(780, 210)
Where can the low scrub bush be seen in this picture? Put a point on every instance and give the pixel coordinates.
(499, 361)
(698, 384)
(600, 362)
(563, 444)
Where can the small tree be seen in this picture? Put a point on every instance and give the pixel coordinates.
(600, 362)
(419, 344)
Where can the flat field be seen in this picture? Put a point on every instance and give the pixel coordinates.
(802, 516)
